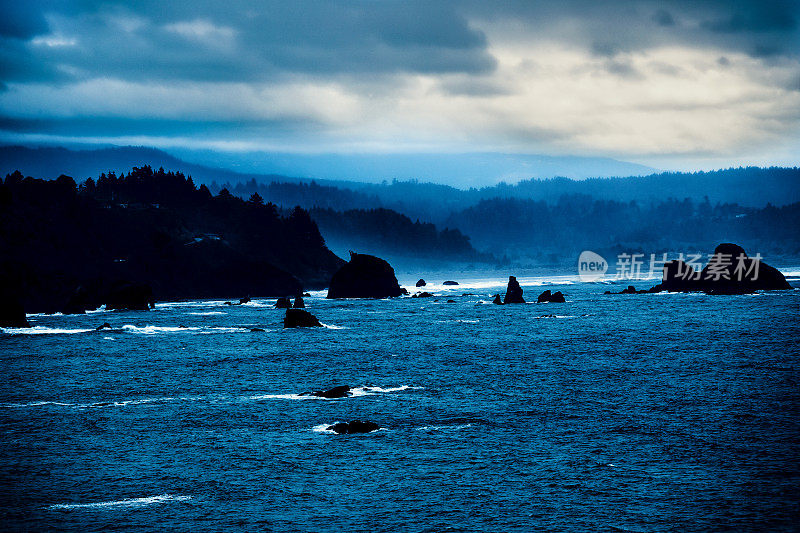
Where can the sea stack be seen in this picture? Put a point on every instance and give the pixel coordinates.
(364, 276)
(513, 292)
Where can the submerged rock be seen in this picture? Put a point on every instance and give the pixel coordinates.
(421, 283)
(257, 330)
(300, 318)
(449, 282)
(342, 391)
(355, 426)
(105, 325)
(299, 303)
(364, 276)
(130, 297)
(548, 297)
(513, 292)
(422, 295)
(283, 303)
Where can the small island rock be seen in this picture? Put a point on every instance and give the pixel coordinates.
(300, 318)
(364, 276)
(355, 426)
(342, 391)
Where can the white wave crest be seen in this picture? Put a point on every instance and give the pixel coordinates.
(282, 397)
(153, 330)
(444, 428)
(323, 428)
(206, 313)
(42, 330)
(129, 502)
(371, 391)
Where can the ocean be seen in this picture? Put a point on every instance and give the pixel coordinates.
(645, 412)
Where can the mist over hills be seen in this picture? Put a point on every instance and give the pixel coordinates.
(533, 220)
(461, 170)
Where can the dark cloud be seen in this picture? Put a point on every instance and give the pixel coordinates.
(662, 17)
(21, 19)
(241, 40)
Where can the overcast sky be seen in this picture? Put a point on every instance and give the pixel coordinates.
(668, 84)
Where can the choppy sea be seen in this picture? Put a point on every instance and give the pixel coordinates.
(647, 412)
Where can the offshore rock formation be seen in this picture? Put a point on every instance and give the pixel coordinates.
(548, 297)
(298, 302)
(421, 283)
(355, 426)
(364, 276)
(300, 318)
(513, 292)
(283, 303)
(450, 282)
(729, 271)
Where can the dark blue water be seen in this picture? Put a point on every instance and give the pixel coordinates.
(627, 412)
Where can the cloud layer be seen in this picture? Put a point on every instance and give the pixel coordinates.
(666, 83)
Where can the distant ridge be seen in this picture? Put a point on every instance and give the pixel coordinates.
(51, 162)
(457, 170)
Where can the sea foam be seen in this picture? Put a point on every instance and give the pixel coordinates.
(129, 502)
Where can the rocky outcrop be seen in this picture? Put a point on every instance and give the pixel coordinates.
(300, 318)
(342, 391)
(355, 426)
(299, 303)
(245, 300)
(364, 276)
(513, 292)
(450, 282)
(729, 271)
(422, 295)
(283, 303)
(497, 300)
(421, 283)
(630, 289)
(130, 297)
(548, 297)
